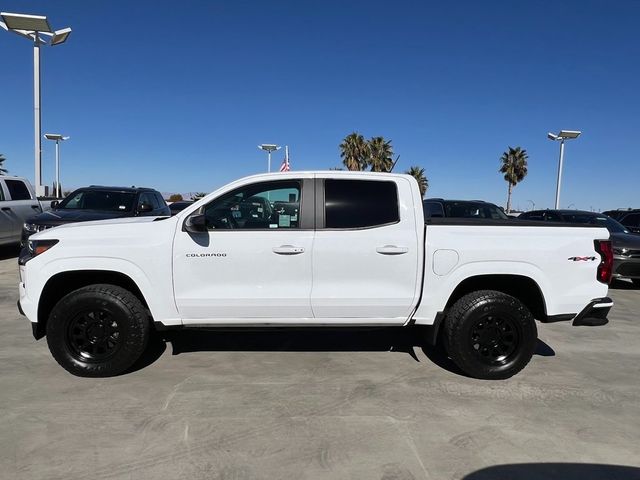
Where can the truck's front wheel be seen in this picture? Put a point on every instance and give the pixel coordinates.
(490, 335)
(98, 331)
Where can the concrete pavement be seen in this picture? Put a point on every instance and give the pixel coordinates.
(323, 404)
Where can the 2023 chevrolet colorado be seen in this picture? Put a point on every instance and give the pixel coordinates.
(311, 249)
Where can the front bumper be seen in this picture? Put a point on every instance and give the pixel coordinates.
(625, 266)
(27, 307)
(594, 314)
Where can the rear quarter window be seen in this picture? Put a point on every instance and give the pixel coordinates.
(433, 209)
(18, 190)
(632, 220)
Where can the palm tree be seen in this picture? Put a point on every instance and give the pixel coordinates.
(418, 174)
(3, 171)
(380, 154)
(354, 151)
(514, 167)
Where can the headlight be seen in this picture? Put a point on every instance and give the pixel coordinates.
(37, 247)
(30, 227)
(620, 251)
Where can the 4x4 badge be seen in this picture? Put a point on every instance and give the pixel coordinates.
(582, 259)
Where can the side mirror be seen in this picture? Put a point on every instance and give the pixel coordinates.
(196, 223)
(145, 208)
(54, 204)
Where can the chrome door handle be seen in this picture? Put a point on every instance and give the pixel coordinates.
(288, 250)
(392, 250)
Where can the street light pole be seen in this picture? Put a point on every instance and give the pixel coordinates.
(58, 138)
(561, 137)
(35, 27)
(269, 147)
(559, 182)
(37, 120)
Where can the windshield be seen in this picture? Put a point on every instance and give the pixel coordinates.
(103, 200)
(473, 210)
(601, 220)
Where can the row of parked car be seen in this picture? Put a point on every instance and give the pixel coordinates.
(22, 214)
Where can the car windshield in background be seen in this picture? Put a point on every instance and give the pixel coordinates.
(473, 210)
(607, 222)
(102, 200)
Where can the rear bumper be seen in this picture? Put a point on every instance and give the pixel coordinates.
(594, 314)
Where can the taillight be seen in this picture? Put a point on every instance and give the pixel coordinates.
(605, 269)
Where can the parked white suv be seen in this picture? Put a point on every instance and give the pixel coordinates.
(312, 249)
(17, 203)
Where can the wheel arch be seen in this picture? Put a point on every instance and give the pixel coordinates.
(522, 287)
(64, 283)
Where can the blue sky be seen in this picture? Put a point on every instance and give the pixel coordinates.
(177, 95)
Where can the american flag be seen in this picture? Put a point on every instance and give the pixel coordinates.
(285, 167)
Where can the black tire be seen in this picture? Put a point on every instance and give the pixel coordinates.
(490, 335)
(98, 331)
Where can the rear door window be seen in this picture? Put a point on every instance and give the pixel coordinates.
(360, 203)
(18, 190)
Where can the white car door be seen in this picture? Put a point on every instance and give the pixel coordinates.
(366, 257)
(253, 263)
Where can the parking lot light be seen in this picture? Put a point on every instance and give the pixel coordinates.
(37, 29)
(269, 147)
(561, 137)
(57, 138)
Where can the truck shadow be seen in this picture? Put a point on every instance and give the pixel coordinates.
(556, 471)
(317, 339)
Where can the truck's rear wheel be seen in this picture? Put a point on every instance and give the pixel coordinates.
(490, 335)
(98, 331)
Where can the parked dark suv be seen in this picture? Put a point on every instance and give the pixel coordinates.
(626, 245)
(438, 207)
(630, 218)
(98, 203)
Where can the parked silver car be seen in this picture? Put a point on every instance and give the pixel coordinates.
(17, 203)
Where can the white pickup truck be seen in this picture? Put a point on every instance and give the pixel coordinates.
(312, 249)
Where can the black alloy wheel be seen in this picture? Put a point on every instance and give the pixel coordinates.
(94, 335)
(494, 339)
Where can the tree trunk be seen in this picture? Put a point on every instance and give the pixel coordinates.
(509, 198)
